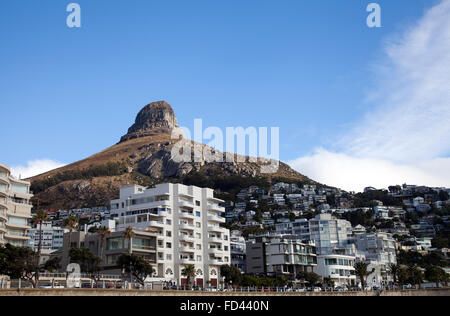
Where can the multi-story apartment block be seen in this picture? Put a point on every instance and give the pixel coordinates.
(380, 247)
(15, 208)
(52, 237)
(337, 266)
(188, 223)
(238, 251)
(280, 256)
(143, 244)
(324, 230)
(379, 251)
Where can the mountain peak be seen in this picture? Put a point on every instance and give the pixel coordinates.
(155, 118)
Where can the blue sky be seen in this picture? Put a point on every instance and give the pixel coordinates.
(305, 66)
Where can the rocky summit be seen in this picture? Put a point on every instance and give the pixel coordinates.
(154, 118)
(143, 156)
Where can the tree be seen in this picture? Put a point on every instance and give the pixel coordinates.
(88, 261)
(136, 266)
(394, 270)
(362, 272)
(71, 223)
(189, 273)
(443, 195)
(129, 234)
(402, 276)
(19, 263)
(310, 277)
(435, 274)
(52, 264)
(415, 275)
(232, 274)
(103, 232)
(39, 219)
(329, 282)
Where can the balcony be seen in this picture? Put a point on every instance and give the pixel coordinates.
(216, 261)
(216, 252)
(186, 204)
(216, 229)
(189, 227)
(216, 208)
(187, 215)
(187, 238)
(17, 237)
(217, 219)
(187, 249)
(144, 248)
(187, 260)
(159, 224)
(9, 225)
(215, 240)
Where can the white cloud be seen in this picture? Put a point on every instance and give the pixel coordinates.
(354, 174)
(406, 135)
(35, 167)
(411, 116)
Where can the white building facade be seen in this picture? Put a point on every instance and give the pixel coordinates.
(188, 220)
(15, 209)
(52, 237)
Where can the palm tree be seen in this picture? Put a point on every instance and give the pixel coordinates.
(72, 224)
(39, 219)
(415, 275)
(189, 273)
(394, 270)
(103, 232)
(129, 234)
(362, 272)
(329, 282)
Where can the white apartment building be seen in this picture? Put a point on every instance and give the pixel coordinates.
(381, 211)
(52, 237)
(338, 267)
(329, 233)
(187, 220)
(15, 208)
(238, 251)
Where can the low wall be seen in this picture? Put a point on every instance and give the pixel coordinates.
(102, 292)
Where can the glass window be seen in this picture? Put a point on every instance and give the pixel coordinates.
(141, 243)
(17, 221)
(114, 243)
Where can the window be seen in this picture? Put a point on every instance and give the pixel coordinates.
(168, 222)
(143, 244)
(197, 214)
(199, 225)
(16, 221)
(199, 258)
(169, 245)
(112, 259)
(168, 233)
(169, 257)
(114, 244)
